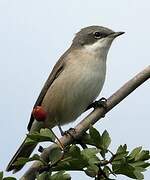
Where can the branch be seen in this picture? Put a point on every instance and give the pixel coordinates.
(92, 118)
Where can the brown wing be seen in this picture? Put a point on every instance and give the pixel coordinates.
(58, 68)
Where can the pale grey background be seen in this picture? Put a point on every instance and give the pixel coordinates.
(33, 35)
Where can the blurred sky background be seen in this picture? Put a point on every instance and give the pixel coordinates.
(33, 35)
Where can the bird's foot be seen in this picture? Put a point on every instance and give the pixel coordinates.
(98, 104)
(68, 132)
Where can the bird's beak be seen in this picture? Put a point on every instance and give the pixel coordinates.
(116, 34)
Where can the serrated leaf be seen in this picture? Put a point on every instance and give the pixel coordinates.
(72, 160)
(61, 175)
(87, 139)
(47, 133)
(142, 164)
(122, 149)
(120, 167)
(44, 135)
(74, 151)
(143, 155)
(30, 141)
(106, 140)
(62, 165)
(90, 155)
(43, 176)
(22, 160)
(66, 177)
(134, 152)
(103, 153)
(55, 155)
(95, 135)
(121, 153)
(89, 152)
(138, 175)
(131, 165)
(120, 156)
(91, 170)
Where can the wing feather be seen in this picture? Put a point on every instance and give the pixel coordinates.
(58, 68)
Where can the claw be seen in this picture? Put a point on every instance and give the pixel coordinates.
(102, 103)
(99, 103)
(66, 132)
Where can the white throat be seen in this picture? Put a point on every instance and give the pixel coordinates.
(99, 48)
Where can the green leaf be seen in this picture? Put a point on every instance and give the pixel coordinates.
(90, 155)
(55, 155)
(61, 175)
(89, 152)
(142, 164)
(91, 170)
(47, 133)
(106, 140)
(143, 155)
(30, 141)
(121, 153)
(95, 135)
(43, 176)
(72, 160)
(131, 165)
(9, 178)
(77, 164)
(138, 175)
(121, 167)
(87, 139)
(134, 152)
(62, 165)
(22, 160)
(1, 175)
(122, 149)
(44, 135)
(74, 151)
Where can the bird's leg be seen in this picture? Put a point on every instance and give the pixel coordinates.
(60, 143)
(69, 132)
(99, 103)
(66, 132)
(78, 141)
(61, 130)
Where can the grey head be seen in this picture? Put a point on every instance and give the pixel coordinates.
(91, 34)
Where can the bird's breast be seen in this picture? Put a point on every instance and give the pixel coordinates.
(75, 88)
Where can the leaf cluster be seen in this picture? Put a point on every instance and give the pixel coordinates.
(96, 160)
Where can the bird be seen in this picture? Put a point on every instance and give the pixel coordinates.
(74, 83)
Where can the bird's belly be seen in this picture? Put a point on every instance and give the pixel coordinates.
(69, 96)
(83, 94)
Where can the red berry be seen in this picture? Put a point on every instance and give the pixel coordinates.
(39, 113)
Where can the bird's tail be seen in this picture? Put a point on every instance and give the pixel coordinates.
(25, 151)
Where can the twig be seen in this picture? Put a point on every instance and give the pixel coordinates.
(92, 118)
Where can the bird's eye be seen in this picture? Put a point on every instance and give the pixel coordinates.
(97, 35)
